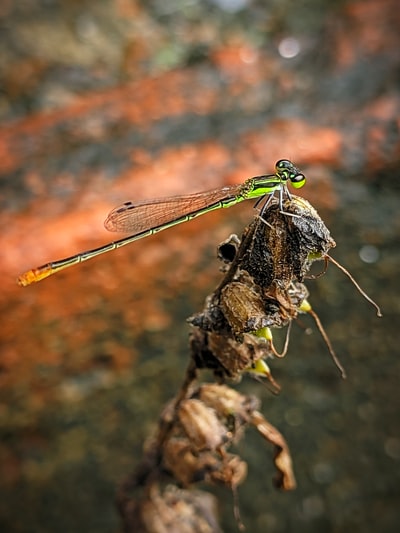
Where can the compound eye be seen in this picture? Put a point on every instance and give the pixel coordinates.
(297, 180)
(283, 164)
(284, 168)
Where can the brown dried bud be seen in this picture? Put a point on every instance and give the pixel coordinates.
(235, 357)
(201, 425)
(185, 466)
(228, 403)
(231, 472)
(286, 243)
(243, 308)
(178, 510)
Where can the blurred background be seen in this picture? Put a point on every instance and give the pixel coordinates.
(103, 102)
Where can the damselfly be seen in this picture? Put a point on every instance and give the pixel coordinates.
(143, 219)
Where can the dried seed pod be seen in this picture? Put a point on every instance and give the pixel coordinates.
(185, 465)
(176, 510)
(243, 308)
(286, 243)
(211, 318)
(227, 402)
(228, 248)
(235, 357)
(232, 472)
(201, 425)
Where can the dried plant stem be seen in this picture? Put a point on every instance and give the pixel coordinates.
(357, 286)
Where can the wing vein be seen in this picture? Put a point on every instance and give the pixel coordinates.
(142, 216)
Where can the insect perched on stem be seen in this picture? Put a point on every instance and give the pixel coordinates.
(143, 219)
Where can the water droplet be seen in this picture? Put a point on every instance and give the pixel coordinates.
(369, 253)
(289, 47)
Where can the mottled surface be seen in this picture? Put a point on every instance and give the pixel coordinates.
(114, 101)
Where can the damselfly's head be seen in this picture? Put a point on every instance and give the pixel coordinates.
(285, 170)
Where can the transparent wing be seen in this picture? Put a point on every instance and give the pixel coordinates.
(142, 216)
